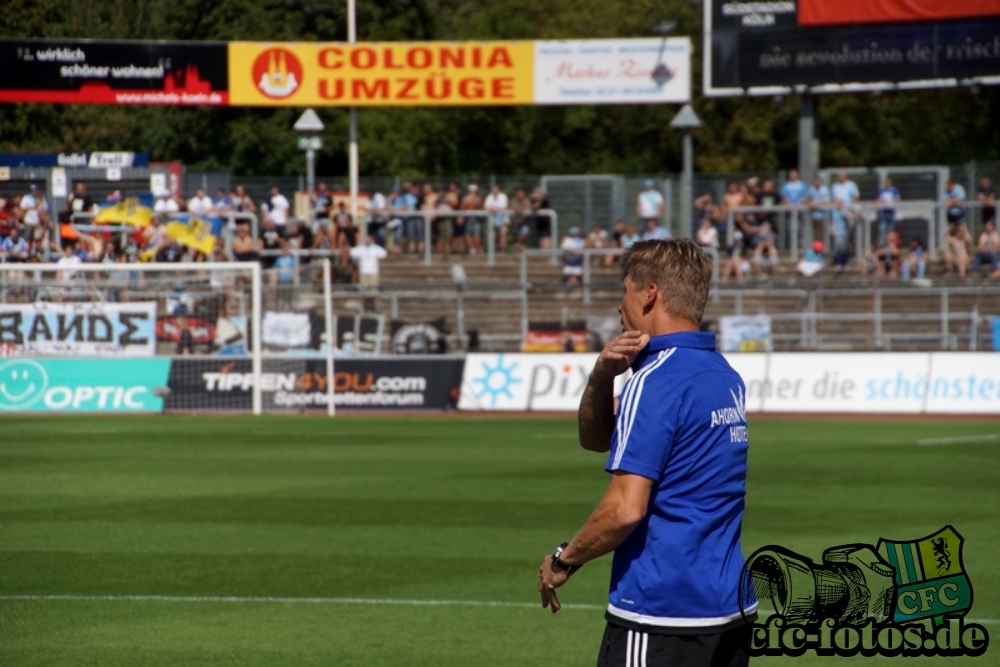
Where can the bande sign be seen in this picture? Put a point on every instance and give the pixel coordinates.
(78, 329)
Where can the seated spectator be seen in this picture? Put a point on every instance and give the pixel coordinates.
(765, 257)
(14, 248)
(240, 201)
(987, 196)
(735, 266)
(630, 237)
(887, 198)
(300, 236)
(201, 204)
(654, 232)
(707, 235)
(617, 232)
(987, 248)
(222, 202)
(955, 248)
(572, 247)
(915, 262)
(890, 252)
(812, 261)
(871, 263)
(767, 197)
(599, 239)
(705, 205)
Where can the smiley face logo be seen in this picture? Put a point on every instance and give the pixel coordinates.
(22, 383)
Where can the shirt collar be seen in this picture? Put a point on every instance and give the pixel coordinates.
(693, 339)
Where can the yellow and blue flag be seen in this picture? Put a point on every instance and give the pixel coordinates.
(199, 233)
(135, 211)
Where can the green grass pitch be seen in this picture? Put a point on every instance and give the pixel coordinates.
(405, 509)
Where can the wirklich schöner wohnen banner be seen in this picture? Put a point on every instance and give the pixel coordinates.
(890, 383)
(599, 71)
(92, 329)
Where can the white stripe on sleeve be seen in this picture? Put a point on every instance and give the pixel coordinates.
(634, 403)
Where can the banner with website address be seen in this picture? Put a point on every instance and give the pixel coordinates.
(82, 385)
(890, 383)
(222, 384)
(299, 74)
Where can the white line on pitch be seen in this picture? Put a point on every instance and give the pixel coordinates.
(373, 601)
(959, 440)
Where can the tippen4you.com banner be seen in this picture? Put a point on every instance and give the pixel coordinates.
(917, 383)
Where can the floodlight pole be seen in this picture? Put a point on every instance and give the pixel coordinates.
(352, 158)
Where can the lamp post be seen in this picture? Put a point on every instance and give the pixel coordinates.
(687, 120)
(310, 126)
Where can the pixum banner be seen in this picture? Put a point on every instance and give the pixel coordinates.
(82, 385)
(378, 384)
(525, 381)
(298, 74)
(94, 329)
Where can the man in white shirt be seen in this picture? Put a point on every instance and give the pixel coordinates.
(650, 204)
(367, 256)
(278, 209)
(33, 204)
(201, 204)
(496, 203)
(377, 206)
(165, 204)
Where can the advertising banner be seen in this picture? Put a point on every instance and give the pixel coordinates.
(82, 385)
(380, 74)
(613, 71)
(768, 46)
(890, 383)
(95, 329)
(299, 74)
(378, 384)
(113, 72)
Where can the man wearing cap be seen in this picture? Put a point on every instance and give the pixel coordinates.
(649, 205)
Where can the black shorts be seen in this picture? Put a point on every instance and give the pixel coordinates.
(622, 647)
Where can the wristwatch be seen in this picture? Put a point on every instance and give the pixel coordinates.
(560, 564)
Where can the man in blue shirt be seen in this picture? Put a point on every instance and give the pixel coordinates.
(678, 461)
(794, 190)
(886, 199)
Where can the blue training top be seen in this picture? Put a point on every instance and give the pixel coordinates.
(682, 423)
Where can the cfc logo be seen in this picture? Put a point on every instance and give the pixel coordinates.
(277, 73)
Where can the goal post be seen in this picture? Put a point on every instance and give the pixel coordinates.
(95, 337)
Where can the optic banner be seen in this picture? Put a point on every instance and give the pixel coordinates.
(82, 385)
(93, 329)
(113, 72)
(299, 74)
(767, 46)
(380, 74)
(376, 384)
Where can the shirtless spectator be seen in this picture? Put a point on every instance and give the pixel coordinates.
(240, 201)
(429, 201)
(244, 248)
(987, 196)
(598, 239)
(473, 201)
(521, 206)
(955, 248)
(343, 226)
(987, 248)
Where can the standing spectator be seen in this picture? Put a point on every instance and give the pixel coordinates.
(221, 201)
(654, 232)
(496, 204)
(521, 206)
(397, 205)
(818, 198)
(278, 208)
(185, 339)
(617, 233)
(368, 255)
(473, 201)
(767, 197)
(543, 223)
(165, 204)
(649, 204)
(241, 201)
(890, 253)
(270, 240)
(955, 201)
(377, 209)
(285, 275)
(988, 247)
(408, 201)
(448, 202)
(80, 201)
(844, 194)
(987, 196)
(244, 245)
(343, 225)
(573, 247)
(429, 204)
(300, 236)
(34, 207)
(201, 204)
(705, 205)
(322, 201)
(887, 198)
(794, 191)
(915, 261)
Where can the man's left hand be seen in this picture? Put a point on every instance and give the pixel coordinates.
(549, 579)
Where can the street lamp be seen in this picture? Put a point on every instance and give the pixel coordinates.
(310, 126)
(687, 120)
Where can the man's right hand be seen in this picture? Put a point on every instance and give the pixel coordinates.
(618, 355)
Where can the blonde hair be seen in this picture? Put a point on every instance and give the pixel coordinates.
(681, 271)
